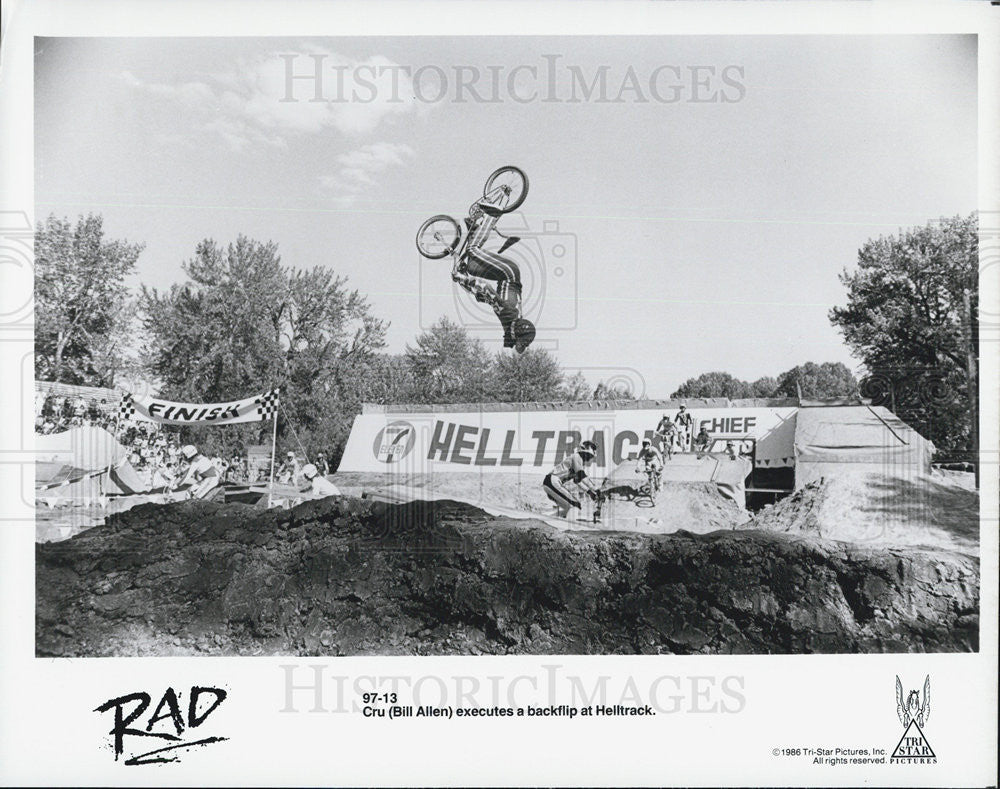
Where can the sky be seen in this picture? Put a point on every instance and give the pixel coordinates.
(692, 214)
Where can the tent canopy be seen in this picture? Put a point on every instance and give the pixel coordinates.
(83, 462)
(834, 439)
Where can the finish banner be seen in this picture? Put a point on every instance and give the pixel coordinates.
(152, 409)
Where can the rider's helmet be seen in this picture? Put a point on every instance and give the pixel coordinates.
(646, 442)
(588, 448)
(189, 451)
(309, 471)
(683, 407)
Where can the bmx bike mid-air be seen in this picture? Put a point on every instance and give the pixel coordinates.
(441, 236)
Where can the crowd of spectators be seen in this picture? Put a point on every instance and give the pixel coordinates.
(155, 451)
(56, 413)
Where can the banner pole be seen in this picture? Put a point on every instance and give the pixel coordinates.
(274, 441)
(118, 427)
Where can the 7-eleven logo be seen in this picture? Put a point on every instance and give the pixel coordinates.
(394, 441)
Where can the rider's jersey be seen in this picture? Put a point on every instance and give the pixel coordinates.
(321, 486)
(683, 418)
(666, 426)
(702, 439)
(201, 468)
(570, 468)
(649, 455)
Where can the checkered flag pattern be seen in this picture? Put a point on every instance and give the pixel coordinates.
(126, 409)
(267, 404)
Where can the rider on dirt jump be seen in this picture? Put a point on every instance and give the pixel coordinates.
(571, 469)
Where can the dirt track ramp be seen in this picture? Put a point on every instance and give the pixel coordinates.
(342, 576)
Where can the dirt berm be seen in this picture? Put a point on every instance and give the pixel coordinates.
(346, 576)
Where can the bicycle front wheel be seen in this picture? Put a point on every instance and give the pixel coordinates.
(513, 181)
(438, 237)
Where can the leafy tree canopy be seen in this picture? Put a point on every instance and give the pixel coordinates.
(82, 305)
(911, 316)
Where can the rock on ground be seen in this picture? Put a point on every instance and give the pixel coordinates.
(343, 576)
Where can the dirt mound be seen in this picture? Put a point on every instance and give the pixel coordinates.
(345, 576)
(931, 511)
(695, 507)
(62, 522)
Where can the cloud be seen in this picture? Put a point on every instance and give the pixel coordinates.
(273, 99)
(358, 169)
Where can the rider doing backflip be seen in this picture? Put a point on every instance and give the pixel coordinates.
(480, 262)
(477, 269)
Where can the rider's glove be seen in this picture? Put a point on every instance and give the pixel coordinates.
(482, 295)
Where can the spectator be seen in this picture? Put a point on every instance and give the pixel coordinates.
(321, 465)
(702, 440)
(289, 471)
(79, 411)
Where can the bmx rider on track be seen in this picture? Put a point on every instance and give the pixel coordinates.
(650, 460)
(571, 469)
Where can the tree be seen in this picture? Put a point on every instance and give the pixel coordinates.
(243, 323)
(575, 388)
(765, 386)
(388, 378)
(532, 376)
(82, 309)
(817, 381)
(715, 384)
(612, 390)
(911, 316)
(449, 366)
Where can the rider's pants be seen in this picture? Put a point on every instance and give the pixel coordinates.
(558, 494)
(204, 487)
(506, 273)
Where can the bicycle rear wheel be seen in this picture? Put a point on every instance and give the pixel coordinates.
(512, 180)
(438, 237)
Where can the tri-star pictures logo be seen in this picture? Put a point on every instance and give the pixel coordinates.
(913, 710)
(394, 441)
